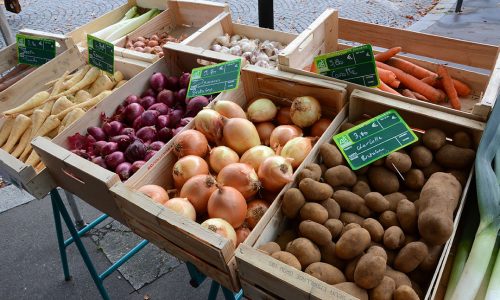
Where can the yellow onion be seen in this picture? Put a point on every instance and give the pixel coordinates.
(275, 172)
(187, 167)
(282, 134)
(182, 206)
(297, 149)
(222, 156)
(197, 190)
(320, 127)
(221, 227)
(261, 110)
(242, 233)
(240, 135)
(265, 129)
(305, 111)
(256, 155)
(210, 123)
(229, 204)
(283, 116)
(229, 109)
(241, 177)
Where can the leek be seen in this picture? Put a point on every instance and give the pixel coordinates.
(493, 291)
(130, 13)
(131, 25)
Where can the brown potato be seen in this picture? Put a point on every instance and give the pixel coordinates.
(285, 237)
(347, 218)
(352, 243)
(410, 239)
(328, 256)
(394, 199)
(394, 237)
(346, 126)
(332, 207)
(453, 157)
(317, 233)
(461, 176)
(374, 228)
(361, 188)
(431, 169)
(388, 218)
(462, 139)
(270, 247)
(314, 212)
(287, 258)
(421, 156)
(414, 179)
(340, 176)
(305, 251)
(410, 257)
(434, 139)
(399, 278)
(391, 256)
(405, 292)
(383, 180)
(352, 289)
(369, 271)
(384, 290)
(364, 211)
(315, 191)
(325, 272)
(348, 201)
(397, 161)
(376, 202)
(362, 170)
(407, 216)
(331, 155)
(312, 171)
(431, 260)
(377, 251)
(411, 195)
(350, 268)
(335, 227)
(349, 226)
(293, 200)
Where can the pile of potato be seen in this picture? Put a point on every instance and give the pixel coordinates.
(369, 232)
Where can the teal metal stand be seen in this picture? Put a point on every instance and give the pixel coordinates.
(197, 279)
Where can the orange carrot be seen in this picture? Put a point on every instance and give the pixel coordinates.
(420, 97)
(408, 93)
(394, 84)
(414, 84)
(383, 56)
(386, 76)
(447, 83)
(313, 68)
(384, 87)
(431, 80)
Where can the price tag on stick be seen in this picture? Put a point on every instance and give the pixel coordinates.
(374, 139)
(34, 51)
(101, 54)
(214, 78)
(356, 65)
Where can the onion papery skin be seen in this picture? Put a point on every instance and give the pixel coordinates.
(222, 156)
(187, 167)
(182, 206)
(256, 209)
(297, 149)
(229, 109)
(228, 204)
(210, 123)
(282, 134)
(190, 142)
(261, 110)
(275, 172)
(221, 227)
(240, 135)
(265, 129)
(241, 177)
(256, 155)
(305, 111)
(198, 190)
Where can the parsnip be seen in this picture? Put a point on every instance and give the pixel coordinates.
(61, 104)
(85, 105)
(70, 118)
(78, 76)
(33, 160)
(51, 123)
(5, 130)
(81, 96)
(35, 101)
(102, 83)
(119, 84)
(58, 85)
(20, 125)
(118, 76)
(37, 120)
(25, 138)
(48, 105)
(53, 133)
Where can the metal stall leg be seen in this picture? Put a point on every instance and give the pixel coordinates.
(4, 27)
(197, 279)
(266, 14)
(79, 223)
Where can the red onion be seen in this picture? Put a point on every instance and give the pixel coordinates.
(98, 160)
(148, 118)
(175, 117)
(122, 140)
(166, 97)
(110, 147)
(177, 130)
(132, 111)
(98, 147)
(135, 151)
(149, 154)
(172, 83)
(162, 121)
(128, 131)
(162, 108)
(131, 99)
(195, 105)
(184, 80)
(149, 92)
(81, 153)
(97, 133)
(89, 142)
(165, 134)
(136, 165)
(147, 101)
(157, 81)
(137, 124)
(147, 134)
(185, 121)
(112, 128)
(180, 96)
(119, 109)
(114, 159)
(124, 170)
(156, 146)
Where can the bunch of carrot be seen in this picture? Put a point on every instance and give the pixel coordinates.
(48, 113)
(417, 82)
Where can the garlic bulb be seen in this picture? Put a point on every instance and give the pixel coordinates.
(236, 50)
(262, 63)
(223, 40)
(235, 38)
(247, 56)
(216, 47)
(262, 56)
(225, 50)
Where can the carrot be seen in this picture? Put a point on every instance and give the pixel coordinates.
(432, 80)
(20, 125)
(313, 68)
(384, 87)
(5, 130)
(383, 56)
(420, 96)
(84, 105)
(408, 93)
(35, 101)
(414, 84)
(448, 87)
(385, 75)
(25, 138)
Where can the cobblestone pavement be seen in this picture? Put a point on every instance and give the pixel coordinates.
(290, 15)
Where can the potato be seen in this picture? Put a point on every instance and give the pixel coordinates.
(453, 157)
(364, 211)
(379, 162)
(347, 218)
(461, 176)
(352, 243)
(369, 271)
(411, 195)
(315, 191)
(414, 179)
(293, 200)
(314, 212)
(348, 201)
(410, 239)
(285, 237)
(346, 126)
(431, 169)
(335, 227)
(383, 180)
(374, 228)
(349, 226)
(397, 161)
(410, 256)
(391, 256)
(377, 251)
(431, 260)
(393, 237)
(332, 207)
(462, 139)
(362, 171)
(340, 176)
(407, 216)
(350, 268)
(388, 218)
(331, 155)
(361, 188)
(352, 289)
(270, 247)
(421, 157)
(312, 171)
(399, 278)
(416, 287)
(305, 251)
(317, 233)
(438, 200)
(434, 139)
(405, 292)
(328, 256)
(394, 199)
(325, 272)
(287, 258)
(384, 290)
(376, 202)
(323, 169)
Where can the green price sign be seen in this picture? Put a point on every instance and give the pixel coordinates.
(374, 139)
(101, 54)
(356, 65)
(34, 51)
(214, 78)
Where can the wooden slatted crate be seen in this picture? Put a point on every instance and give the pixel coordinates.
(264, 277)
(38, 182)
(422, 49)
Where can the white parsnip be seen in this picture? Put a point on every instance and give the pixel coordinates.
(58, 85)
(25, 138)
(5, 130)
(119, 84)
(61, 104)
(20, 125)
(81, 96)
(35, 101)
(102, 83)
(85, 105)
(78, 76)
(33, 160)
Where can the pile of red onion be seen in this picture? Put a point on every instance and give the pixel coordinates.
(140, 126)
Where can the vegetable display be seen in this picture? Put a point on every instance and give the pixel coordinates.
(48, 113)
(152, 44)
(376, 233)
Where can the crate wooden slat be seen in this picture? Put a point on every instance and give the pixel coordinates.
(420, 48)
(272, 277)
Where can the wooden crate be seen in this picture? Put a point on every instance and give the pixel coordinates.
(277, 280)
(39, 183)
(422, 49)
(210, 253)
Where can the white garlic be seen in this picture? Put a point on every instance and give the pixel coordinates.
(235, 38)
(248, 46)
(268, 49)
(247, 56)
(236, 50)
(223, 40)
(262, 63)
(262, 57)
(273, 57)
(216, 47)
(224, 50)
